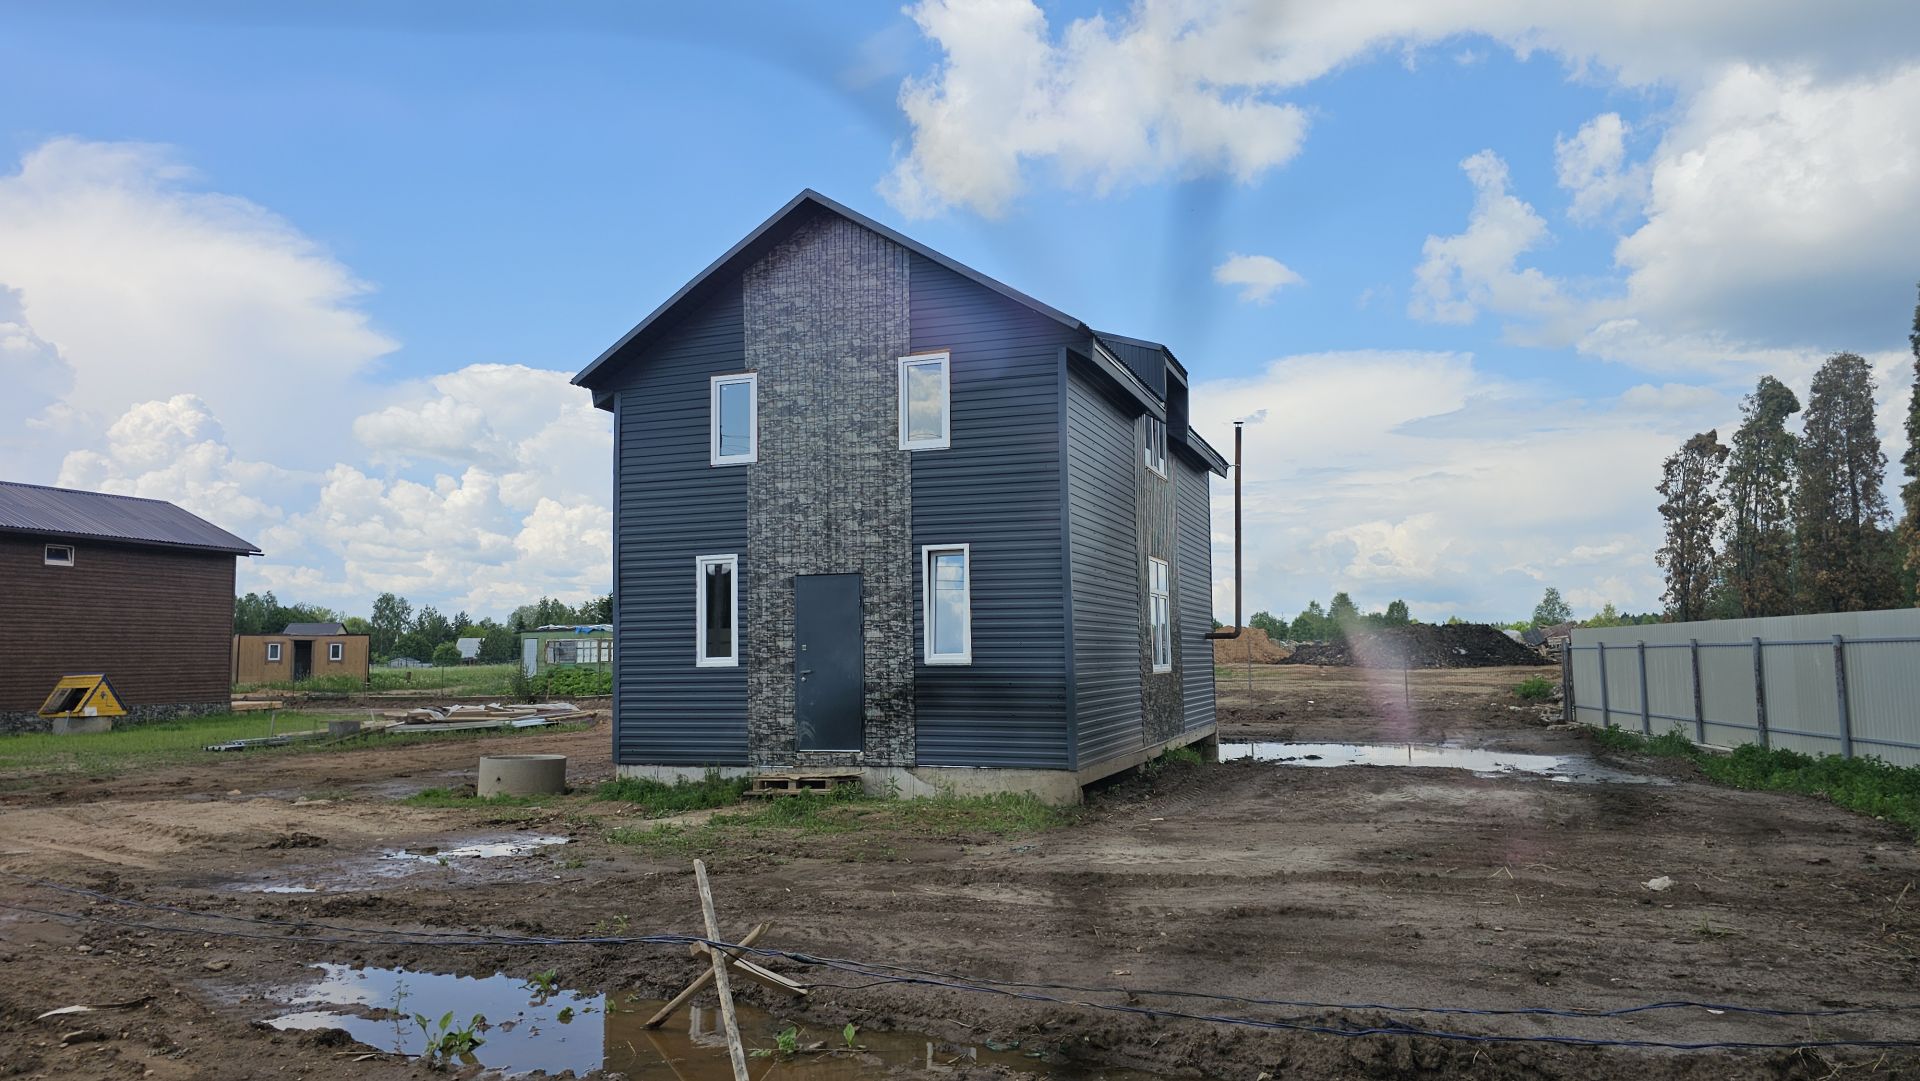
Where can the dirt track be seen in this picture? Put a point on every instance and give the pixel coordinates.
(1356, 884)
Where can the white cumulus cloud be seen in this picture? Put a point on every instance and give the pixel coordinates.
(1258, 276)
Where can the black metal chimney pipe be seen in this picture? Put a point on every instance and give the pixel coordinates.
(1239, 582)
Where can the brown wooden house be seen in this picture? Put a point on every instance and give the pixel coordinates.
(301, 652)
(137, 589)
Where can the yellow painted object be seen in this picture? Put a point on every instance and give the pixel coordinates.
(83, 696)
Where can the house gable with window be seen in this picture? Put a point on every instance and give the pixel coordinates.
(876, 511)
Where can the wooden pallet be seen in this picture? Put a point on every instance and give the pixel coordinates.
(788, 784)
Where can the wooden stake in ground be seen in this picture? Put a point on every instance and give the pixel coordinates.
(700, 983)
(734, 1047)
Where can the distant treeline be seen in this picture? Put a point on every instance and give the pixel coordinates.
(395, 629)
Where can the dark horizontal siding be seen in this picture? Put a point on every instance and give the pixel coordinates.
(998, 489)
(1193, 590)
(671, 506)
(157, 621)
(1102, 526)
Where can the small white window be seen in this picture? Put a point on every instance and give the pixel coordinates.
(926, 402)
(336, 651)
(59, 555)
(947, 604)
(273, 653)
(735, 409)
(1155, 453)
(1157, 575)
(716, 611)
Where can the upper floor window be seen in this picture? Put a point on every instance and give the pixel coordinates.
(1156, 449)
(947, 602)
(735, 411)
(1158, 576)
(336, 651)
(926, 402)
(716, 611)
(59, 555)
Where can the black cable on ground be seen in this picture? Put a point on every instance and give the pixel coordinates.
(883, 974)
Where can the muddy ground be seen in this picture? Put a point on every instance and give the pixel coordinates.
(1355, 885)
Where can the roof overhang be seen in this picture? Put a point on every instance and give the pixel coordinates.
(799, 210)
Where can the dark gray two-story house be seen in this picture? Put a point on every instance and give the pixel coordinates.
(876, 511)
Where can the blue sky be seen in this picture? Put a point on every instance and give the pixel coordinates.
(311, 269)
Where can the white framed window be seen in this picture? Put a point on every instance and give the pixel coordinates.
(579, 650)
(273, 653)
(1158, 614)
(336, 651)
(716, 611)
(734, 427)
(59, 555)
(946, 575)
(1155, 453)
(926, 402)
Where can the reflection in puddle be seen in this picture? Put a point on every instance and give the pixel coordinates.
(1575, 769)
(397, 863)
(483, 850)
(566, 1030)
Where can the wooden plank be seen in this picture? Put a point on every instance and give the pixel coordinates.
(721, 985)
(700, 982)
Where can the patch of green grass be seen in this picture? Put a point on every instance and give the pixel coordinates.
(1868, 785)
(1534, 688)
(450, 679)
(658, 798)
(102, 754)
(163, 743)
(847, 810)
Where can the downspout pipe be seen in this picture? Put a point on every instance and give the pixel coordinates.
(1239, 581)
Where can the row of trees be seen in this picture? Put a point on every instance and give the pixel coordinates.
(395, 629)
(1318, 624)
(1779, 523)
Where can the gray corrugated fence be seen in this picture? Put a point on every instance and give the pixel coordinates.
(1845, 684)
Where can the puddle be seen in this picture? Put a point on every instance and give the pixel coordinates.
(481, 850)
(453, 857)
(526, 1031)
(1572, 769)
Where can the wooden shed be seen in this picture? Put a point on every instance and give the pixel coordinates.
(299, 653)
(136, 589)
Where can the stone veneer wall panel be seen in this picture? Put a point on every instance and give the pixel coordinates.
(826, 322)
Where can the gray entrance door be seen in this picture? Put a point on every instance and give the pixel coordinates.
(829, 662)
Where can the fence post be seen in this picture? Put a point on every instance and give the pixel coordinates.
(1699, 712)
(1606, 709)
(1646, 707)
(1840, 695)
(1567, 709)
(1760, 692)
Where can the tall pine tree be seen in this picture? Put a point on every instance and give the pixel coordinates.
(1689, 483)
(1758, 496)
(1845, 552)
(1910, 465)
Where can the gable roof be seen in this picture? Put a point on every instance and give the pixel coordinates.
(809, 205)
(315, 630)
(67, 512)
(799, 210)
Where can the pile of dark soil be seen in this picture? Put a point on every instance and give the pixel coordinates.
(1421, 645)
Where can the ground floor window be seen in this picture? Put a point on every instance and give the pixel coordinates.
(273, 653)
(716, 611)
(947, 603)
(336, 651)
(1158, 614)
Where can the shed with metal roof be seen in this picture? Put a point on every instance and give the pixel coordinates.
(93, 582)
